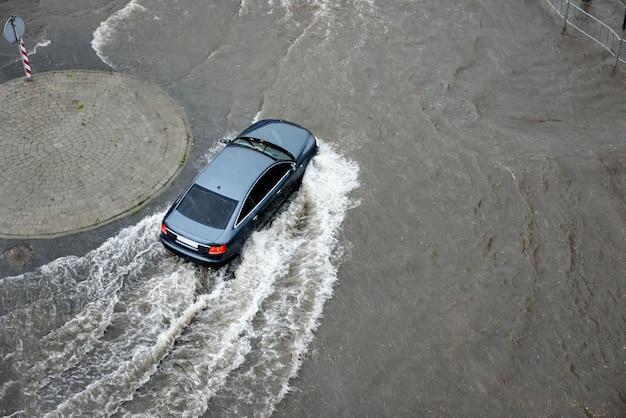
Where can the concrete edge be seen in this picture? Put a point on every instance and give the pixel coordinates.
(145, 202)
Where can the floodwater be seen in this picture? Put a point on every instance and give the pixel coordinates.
(457, 248)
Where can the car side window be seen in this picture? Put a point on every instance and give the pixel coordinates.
(262, 188)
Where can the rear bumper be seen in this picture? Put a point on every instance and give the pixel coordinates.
(212, 261)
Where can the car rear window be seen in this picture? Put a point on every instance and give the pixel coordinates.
(207, 207)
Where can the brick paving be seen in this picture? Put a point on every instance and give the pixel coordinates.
(82, 148)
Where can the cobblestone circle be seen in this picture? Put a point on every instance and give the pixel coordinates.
(82, 148)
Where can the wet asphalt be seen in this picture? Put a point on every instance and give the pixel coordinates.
(483, 270)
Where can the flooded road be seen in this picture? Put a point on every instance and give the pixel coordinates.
(116, 330)
(467, 209)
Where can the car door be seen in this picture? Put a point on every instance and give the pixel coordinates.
(266, 195)
(277, 176)
(245, 220)
(257, 206)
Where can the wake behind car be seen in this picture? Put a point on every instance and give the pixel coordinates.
(238, 191)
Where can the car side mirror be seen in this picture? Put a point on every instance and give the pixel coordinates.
(224, 141)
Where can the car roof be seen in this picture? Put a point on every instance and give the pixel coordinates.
(233, 171)
(287, 135)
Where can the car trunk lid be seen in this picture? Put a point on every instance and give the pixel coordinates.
(191, 233)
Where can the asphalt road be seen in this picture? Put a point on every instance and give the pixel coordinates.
(481, 266)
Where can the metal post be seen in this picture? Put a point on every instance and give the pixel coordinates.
(12, 20)
(23, 53)
(28, 72)
(565, 18)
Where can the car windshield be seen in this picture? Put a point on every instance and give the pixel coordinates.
(207, 207)
(266, 148)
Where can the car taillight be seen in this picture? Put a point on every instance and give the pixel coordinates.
(164, 228)
(217, 249)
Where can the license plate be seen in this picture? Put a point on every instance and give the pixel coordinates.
(187, 242)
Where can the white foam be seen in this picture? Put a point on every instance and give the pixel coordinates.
(92, 283)
(19, 413)
(133, 301)
(216, 147)
(107, 29)
(284, 327)
(243, 8)
(298, 248)
(40, 44)
(106, 393)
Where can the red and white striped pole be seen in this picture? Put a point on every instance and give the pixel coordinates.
(25, 61)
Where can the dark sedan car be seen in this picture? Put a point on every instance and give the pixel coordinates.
(238, 191)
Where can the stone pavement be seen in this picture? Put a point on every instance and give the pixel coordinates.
(83, 148)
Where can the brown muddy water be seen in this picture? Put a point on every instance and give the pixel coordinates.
(457, 248)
